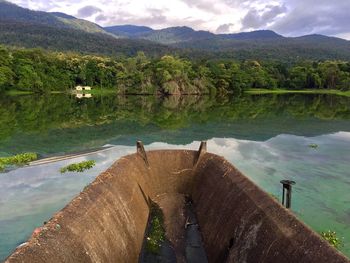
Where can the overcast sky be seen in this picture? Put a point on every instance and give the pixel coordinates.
(287, 17)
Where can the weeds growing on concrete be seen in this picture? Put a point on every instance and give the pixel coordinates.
(331, 237)
(156, 235)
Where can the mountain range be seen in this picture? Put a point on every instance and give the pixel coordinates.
(175, 35)
(22, 27)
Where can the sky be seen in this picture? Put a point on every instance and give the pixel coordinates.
(287, 17)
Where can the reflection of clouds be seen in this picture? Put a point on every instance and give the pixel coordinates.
(264, 162)
(341, 135)
(258, 152)
(30, 194)
(278, 149)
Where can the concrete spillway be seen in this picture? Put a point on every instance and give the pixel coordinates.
(238, 221)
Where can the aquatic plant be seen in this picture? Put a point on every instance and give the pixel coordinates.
(19, 159)
(78, 167)
(313, 145)
(156, 234)
(331, 237)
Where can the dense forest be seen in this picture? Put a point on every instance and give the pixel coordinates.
(42, 71)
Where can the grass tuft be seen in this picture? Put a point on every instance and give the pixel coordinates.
(331, 237)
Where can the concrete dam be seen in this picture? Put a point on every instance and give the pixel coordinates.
(236, 220)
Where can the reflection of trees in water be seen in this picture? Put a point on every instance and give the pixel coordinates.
(41, 114)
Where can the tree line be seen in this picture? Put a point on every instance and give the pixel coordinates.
(41, 71)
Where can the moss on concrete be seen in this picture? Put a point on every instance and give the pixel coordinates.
(156, 235)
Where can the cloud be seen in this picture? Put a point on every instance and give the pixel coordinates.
(209, 6)
(150, 17)
(101, 19)
(288, 17)
(310, 17)
(257, 19)
(88, 11)
(42, 5)
(224, 28)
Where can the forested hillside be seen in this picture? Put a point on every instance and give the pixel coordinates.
(12, 12)
(128, 30)
(60, 32)
(28, 35)
(41, 71)
(261, 44)
(313, 47)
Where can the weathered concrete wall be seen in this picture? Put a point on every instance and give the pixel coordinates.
(107, 221)
(241, 223)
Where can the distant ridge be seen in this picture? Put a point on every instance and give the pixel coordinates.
(9, 11)
(172, 35)
(58, 31)
(62, 15)
(128, 30)
(258, 34)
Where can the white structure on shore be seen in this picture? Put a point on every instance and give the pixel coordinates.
(82, 88)
(82, 95)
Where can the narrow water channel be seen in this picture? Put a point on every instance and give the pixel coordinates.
(179, 238)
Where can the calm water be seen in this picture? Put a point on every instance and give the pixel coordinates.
(266, 137)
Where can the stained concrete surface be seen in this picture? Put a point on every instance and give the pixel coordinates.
(237, 221)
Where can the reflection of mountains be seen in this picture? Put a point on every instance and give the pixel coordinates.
(60, 123)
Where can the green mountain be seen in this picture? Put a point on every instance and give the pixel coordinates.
(173, 35)
(128, 30)
(22, 27)
(260, 44)
(312, 47)
(20, 34)
(258, 34)
(9, 11)
(58, 31)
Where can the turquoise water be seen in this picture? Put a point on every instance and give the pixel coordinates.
(266, 137)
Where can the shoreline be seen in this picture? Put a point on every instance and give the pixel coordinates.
(285, 91)
(249, 91)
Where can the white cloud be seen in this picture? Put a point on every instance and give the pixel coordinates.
(289, 17)
(199, 14)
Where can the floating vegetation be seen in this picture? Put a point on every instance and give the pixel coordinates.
(19, 159)
(313, 145)
(156, 234)
(331, 237)
(78, 167)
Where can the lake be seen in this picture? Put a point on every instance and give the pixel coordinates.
(267, 137)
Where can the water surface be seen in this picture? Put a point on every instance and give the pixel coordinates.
(267, 137)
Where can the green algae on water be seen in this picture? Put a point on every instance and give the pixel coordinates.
(78, 167)
(313, 145)
(19, 159)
